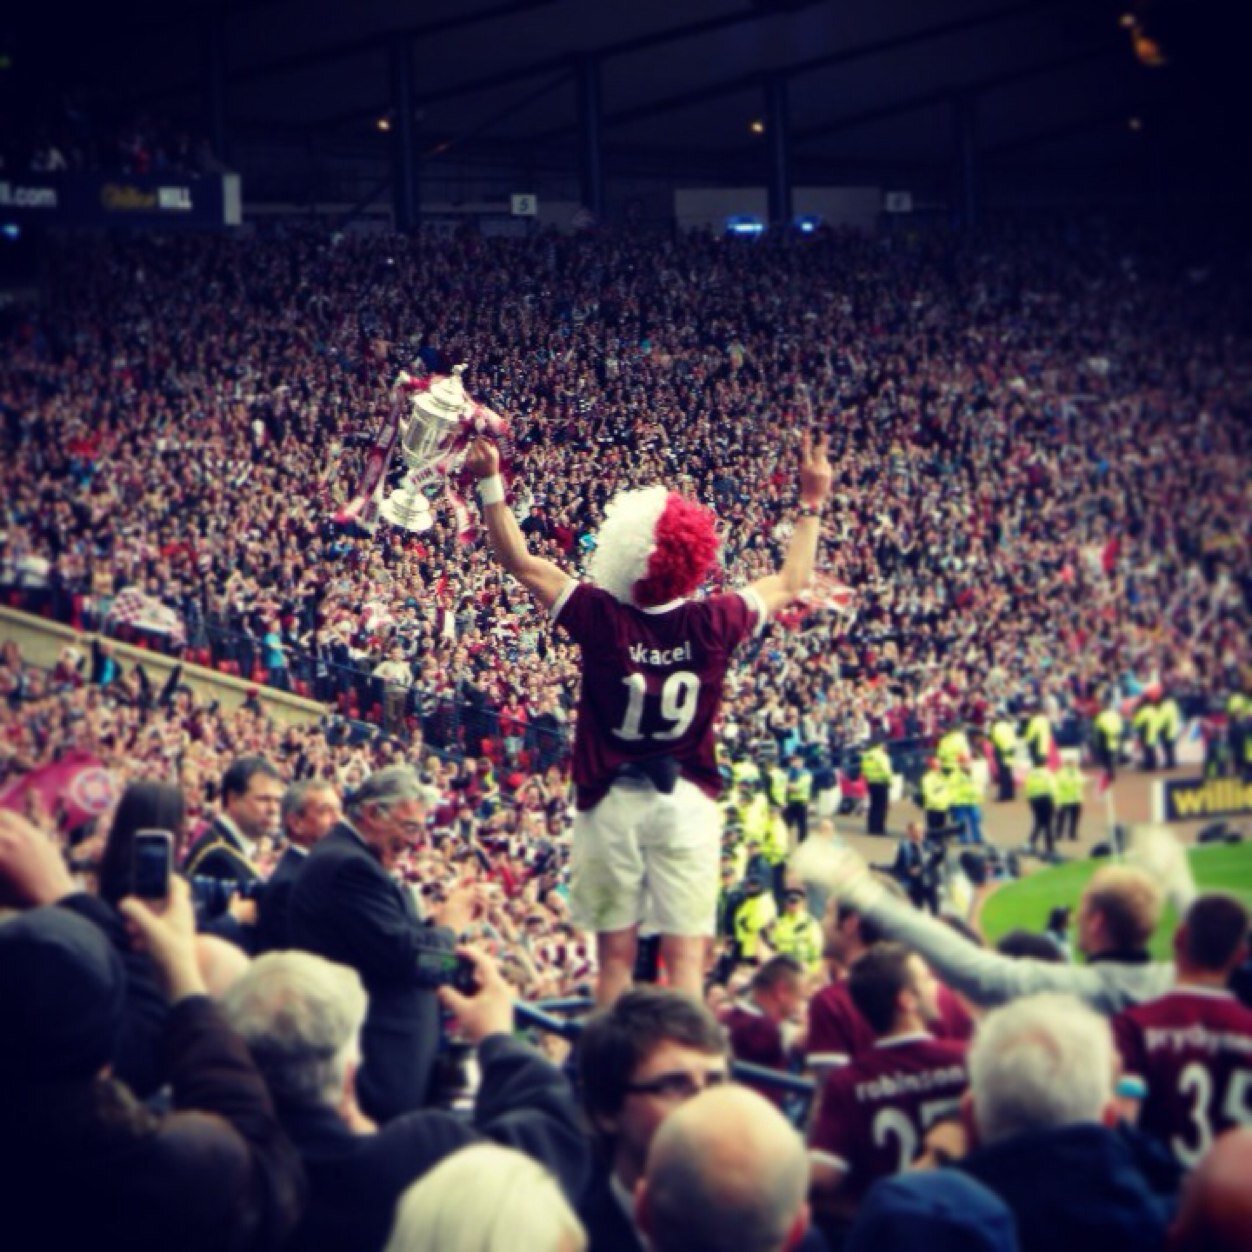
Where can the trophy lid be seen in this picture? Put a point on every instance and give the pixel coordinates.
(445, 399)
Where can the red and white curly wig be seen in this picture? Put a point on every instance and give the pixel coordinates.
(653, 547)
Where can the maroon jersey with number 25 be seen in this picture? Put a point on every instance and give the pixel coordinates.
(875, 1110)
(651, 681)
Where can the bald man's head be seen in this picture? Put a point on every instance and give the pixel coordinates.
(726, 1171)
(1216, 1212)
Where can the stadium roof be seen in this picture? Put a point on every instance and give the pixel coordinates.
(871, 83)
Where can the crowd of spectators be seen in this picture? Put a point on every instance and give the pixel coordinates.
(508, 835)
(1039, 459)
(1039, 450)
(1021, 1102)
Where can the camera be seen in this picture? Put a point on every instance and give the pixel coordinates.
(437, 967)
(211, 896)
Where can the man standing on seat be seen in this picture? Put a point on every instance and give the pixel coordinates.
(647, 836)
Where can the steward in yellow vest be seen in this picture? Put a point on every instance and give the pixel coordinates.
(1070, 781)
(877, 772)
(797, 932)
(1109, 728)
(1004, 741)
(1040, 789)
(936, 797)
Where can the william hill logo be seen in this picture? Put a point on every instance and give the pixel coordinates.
(1206, 798)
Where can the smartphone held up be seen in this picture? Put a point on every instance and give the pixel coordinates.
(152, 858)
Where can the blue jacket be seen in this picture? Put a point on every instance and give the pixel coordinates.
(1076, 1188)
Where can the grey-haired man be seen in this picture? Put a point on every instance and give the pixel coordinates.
(346, 906)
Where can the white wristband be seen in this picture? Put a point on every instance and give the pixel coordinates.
(491, 490)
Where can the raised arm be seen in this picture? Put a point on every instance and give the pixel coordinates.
(544, 580)
(778, 590)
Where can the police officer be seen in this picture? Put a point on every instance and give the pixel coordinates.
(799, 791)
(966, 797)
(776, 785)
(1109, 728)
(1038, 736)
(1041, 793)
(877, 772)
(744, 770)
(1004, 741)
(1148, 729)
(797, 932)
(752, 917)
(1238, 710)
(936, 796)
(1070, 781)
(1169, 726)
(953, 748)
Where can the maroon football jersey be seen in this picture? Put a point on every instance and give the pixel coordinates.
(875, 1110)
(1193, 1049)
(757, 1039)
(837, 1030)
(651, 682)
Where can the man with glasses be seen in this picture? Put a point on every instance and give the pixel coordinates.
(638, 1061)
(346, 906)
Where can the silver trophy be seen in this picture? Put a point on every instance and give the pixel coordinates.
(426, 440)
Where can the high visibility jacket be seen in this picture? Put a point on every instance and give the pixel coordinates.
(744, 771)
(1004, 737)
(1170, 718)
(799, 935)
(1238, 706)
(799, 787)
(774, 841)
(876, 765)
(777, 786)
(936, 795)
(1147, 724)
(1110, 727)
(963, 789)
(755, 819)
(1038, 734)
(1040, 782)
(1070, 781)
(953, 749)
(751, 918)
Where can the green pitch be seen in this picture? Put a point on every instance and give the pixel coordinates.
(1025, 904)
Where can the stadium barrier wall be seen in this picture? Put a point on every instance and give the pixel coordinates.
(42, 641)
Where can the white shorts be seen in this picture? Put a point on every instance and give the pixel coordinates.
(643, 858)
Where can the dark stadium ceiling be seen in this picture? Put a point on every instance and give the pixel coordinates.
(870, 82)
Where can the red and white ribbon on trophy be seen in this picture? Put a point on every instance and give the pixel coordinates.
(434, 448)
(362, 509)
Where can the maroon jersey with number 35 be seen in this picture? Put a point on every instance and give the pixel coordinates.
(651, 681)
(875, 1110)
(1193, 1049)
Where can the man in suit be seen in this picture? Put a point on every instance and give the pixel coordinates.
(252, 792)
(911, 870)
(346, 906)
(310, 810)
